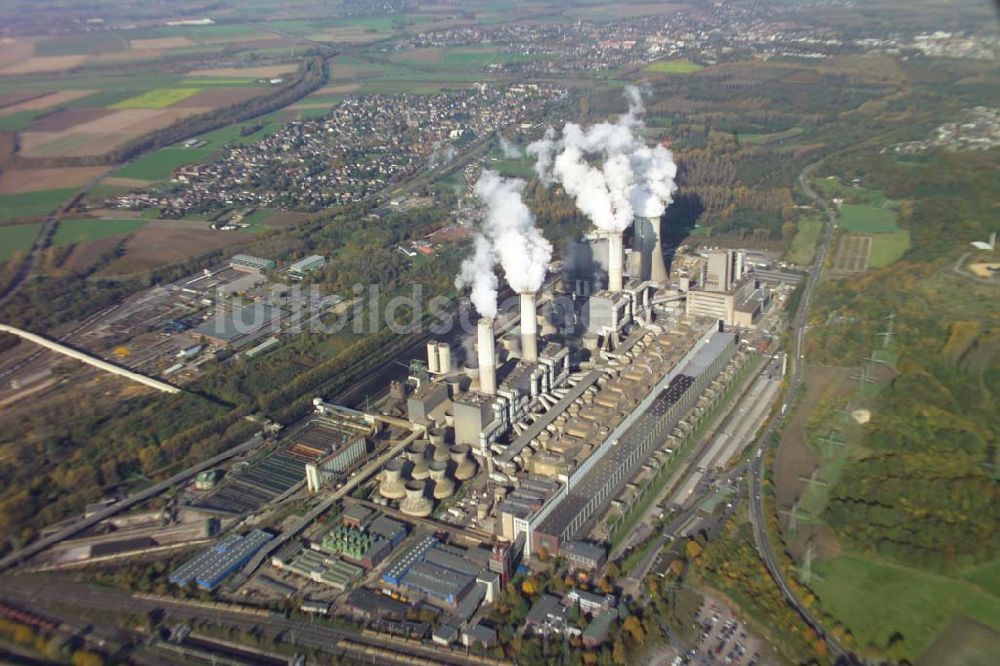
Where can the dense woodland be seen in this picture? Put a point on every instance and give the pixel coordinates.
(925, 493)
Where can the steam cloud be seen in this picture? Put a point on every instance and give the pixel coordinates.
(633, 179)
(509, 237)
(510, 150)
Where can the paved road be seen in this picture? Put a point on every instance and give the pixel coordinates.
(757, 518)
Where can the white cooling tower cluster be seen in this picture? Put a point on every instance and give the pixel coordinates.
(438, 358)
(443, 486)
(391, 486)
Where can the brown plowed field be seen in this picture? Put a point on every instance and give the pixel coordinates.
(40, 64)
(44, 101)
(64, 119)
(13, 181)
(164, 241)
(216, 97)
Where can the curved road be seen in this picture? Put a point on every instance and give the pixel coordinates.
(841, 654)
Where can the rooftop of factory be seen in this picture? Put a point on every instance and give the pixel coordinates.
(308, 264)
(327, 434)
(374, 603)
(547, 610)
(213, 564)
(708, 353)
(527, 498)
(582, 550)
(241, 322)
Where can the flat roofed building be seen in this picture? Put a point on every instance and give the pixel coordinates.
(584, 555)
(251, 264)
(308, 265)
(241, 325)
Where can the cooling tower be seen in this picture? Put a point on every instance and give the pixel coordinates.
(437, 435)
(417, 453)
(443, 486)
(391, 486)
(487, 358)
(416, 504)
(464, 467)
(529, 327)
(616, 259)
(657, 267)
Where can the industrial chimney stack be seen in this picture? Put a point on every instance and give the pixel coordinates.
(616, 259)
(487, 357)
(529, 327)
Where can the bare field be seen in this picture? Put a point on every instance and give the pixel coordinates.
(44, 101)
(100, 135)
(13, 181)
(216, 97)
(285, 219)
(15, 50)
(14, 98)
(39, 64)
(853, 253)
(795, 459)
(161, 43)
(164, 241)
(266, 72)
(64, 119)
(83, 256)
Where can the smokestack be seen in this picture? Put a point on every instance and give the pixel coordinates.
(657, 267)
(529, 327)
(616, 258)
(487, 358)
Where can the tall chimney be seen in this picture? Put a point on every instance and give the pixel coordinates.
(616, 257)
(657, 268)
(529, 328)
(487, 358)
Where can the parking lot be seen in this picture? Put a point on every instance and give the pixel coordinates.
(726, 640)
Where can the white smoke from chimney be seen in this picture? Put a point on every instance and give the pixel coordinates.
(522, 251)
(633, 179)
(477, 273)
(510, 150)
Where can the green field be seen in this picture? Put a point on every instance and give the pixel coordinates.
(18, 120)
(751, 137)
(71, 232)
(866, 219)
(17, 238)
(672, 67)
(161, 163)
(33, 204)
(874, 599)
(803, 247)
(963, 643)
(514, 168)
(888, 248)
(986, 576)
(158, 98)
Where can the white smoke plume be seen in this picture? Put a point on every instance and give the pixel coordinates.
(510, 150)
(520, 247)
(633, 179)
(477, 273)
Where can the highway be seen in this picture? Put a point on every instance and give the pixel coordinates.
(757, 518)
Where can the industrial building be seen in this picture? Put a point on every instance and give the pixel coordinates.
(303, 267)
(317, 566)
(211, 566)
(240, 326)
(250, 264)
(727, 291)
(443, 574)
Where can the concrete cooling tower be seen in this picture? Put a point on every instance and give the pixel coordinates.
(443, 486)
(391, 486)
(465, 468)
(416, 503)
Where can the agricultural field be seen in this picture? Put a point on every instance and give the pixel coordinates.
(16, 238)
(867, 219)
(33, 204)
(161, 163)
(72, 232)
(159, 98)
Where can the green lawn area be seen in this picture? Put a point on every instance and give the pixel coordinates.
(751, 137)
(17, 238)
(158, 98)
(160, 163)
(867, 219)
(888, 248)
(672, 67)
(514, 168)
(71, 232)
(874, 599)
(33, 204)
(803, 247)
(986, 576)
